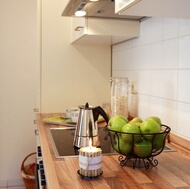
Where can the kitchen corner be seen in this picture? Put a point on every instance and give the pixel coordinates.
(49, 64)
(171, 172)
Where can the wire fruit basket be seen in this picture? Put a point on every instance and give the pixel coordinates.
(138, 149)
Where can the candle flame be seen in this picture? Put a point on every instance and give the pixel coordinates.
(90, 143)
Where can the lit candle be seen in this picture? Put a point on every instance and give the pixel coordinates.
(90, 161)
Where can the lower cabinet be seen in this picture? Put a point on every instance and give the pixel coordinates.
(40, 178)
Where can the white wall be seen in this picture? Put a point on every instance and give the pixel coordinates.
(71, 74)
(18, 85)
(158, 64)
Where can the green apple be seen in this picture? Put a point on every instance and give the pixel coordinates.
(116, 123)
(133, 129)
(158, 141)
(122, 117)
(136, 120)
(143, 149)
(148, 128)
(121, 146)
(155, 118)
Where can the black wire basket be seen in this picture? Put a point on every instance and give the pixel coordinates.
(138, 149)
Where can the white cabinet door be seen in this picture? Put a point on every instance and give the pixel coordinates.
(103, 31)
(121, 5)
(77, 28)
(155, 8)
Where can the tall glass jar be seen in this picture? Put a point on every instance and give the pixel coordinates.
(119, 96)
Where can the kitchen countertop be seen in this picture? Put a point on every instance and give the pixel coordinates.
(172, 171)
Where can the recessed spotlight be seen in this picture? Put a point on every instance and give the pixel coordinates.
(80, 13)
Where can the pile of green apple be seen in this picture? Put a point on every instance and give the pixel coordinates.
(137, 136)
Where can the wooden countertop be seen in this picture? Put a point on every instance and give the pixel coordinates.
(172, 171)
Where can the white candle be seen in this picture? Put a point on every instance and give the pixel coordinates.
(90, 161)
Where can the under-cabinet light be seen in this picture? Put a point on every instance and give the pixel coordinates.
(80, 9)
(80, 13)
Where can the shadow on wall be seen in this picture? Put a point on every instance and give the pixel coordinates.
(98, 56)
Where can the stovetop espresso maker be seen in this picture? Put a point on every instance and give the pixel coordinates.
(87, 128)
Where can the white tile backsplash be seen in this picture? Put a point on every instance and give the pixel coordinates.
(183, 120)
(184, 27)
(145, 34)
(155, 106)
(143, 81)
(170, 56)
(171, 27)
(184, 86)
(157, 28)
(158, 62)
(184, 52)
(117, 60)
(141, 57)
(169, 113)
(122, 59)
(156, 83)
(156, 55)
(169, 84)
(143, 106)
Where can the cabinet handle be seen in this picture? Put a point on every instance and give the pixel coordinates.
(36, 132)
(36, 110)
(78, 28)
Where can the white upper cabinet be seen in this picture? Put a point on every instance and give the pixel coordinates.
(103, 31)
(154, 8)
(121, 5)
